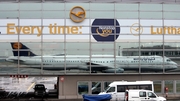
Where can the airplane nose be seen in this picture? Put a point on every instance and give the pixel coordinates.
(7, 59)
(175, 65)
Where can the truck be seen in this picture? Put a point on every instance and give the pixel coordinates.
(142, 95)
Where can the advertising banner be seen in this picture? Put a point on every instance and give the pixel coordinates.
(95, 30)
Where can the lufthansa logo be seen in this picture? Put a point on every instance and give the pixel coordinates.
(17, 45)
(105, 29)
(136, 29)
(77, 14)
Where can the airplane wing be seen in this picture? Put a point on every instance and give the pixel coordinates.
(15, 60)
(105, 67)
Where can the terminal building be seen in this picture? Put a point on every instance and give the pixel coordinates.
(160, 50)
(78, 42)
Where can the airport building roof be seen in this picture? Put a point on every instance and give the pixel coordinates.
(108, 1)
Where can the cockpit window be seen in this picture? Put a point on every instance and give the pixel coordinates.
(168, 60)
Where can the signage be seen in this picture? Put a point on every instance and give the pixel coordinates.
(94, 30)
(105, 29)
(77, 14)
(136, 29)
(17, 45)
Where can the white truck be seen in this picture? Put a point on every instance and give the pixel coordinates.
(142, 95)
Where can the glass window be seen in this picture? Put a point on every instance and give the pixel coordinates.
(100, 14)
(53, 6)
(151, 95)
(30, 6)
(83, 87)
(139, 33)
(69, 6)
(111, 89)
(151, 15)
(30, 14)
(157, 86)
(169, 85)
(125, 7)
(9, 6)
(171, 7)
(142, 94)
(172, 15)
(96, 87)
(178, 86)
(106, 85)
(102, 6)
(9, 14)
(125, 15)
(147, 87)
(53, 14)
(151, 7)
(120, 88)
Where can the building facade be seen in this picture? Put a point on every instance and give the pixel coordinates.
(67, 38)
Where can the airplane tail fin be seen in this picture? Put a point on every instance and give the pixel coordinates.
(23, 50)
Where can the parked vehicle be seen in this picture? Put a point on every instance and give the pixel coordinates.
(40, 90)
(142, 95)
(117, 88)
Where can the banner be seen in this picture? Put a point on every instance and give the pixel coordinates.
(96, 30)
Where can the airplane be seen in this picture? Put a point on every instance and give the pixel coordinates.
(98, 63)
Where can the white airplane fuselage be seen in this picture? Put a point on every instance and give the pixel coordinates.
(97, 62)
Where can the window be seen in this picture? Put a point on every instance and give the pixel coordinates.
(142, 94)
(96, 87)
(177, 86)
(120, 88)
(152, 95)
(112, 89)
(157, 86)
(169, 84)
(83, 87)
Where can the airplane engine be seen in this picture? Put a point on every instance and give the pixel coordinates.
(118, 70)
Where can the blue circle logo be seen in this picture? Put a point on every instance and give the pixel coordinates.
(105, 29)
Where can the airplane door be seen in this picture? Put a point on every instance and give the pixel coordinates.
(124, 63)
